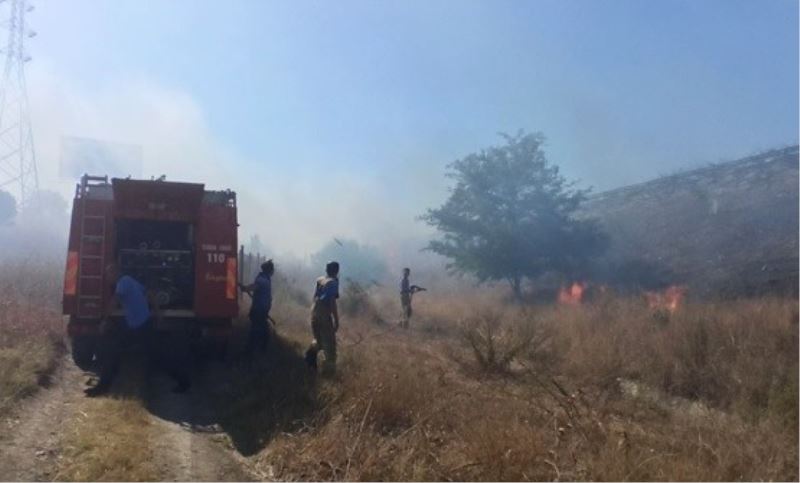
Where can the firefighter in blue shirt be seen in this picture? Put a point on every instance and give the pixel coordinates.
(139, 308)
(261, 292)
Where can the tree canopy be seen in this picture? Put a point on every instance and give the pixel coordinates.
(511, 215)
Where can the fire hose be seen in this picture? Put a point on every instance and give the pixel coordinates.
(269, 317)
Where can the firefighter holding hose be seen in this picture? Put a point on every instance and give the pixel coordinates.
(407, 291)
(261, 293)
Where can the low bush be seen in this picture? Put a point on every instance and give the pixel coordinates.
(356, 302)
(498, 338)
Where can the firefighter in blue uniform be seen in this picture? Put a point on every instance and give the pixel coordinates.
(261, 292)
(139, 308)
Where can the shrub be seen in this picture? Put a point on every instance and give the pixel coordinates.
(497, 338)
(356, 302)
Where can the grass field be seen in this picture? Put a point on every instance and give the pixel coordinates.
(478, 389)
(113, 440)
(611, 390)
(30, 328)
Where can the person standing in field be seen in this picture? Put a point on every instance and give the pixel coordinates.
(407, 291)
(325, 318)
(261, 293)
(139, 308)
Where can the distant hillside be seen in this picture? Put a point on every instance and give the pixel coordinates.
(726, 229)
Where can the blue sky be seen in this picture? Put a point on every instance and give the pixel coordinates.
(385, 94)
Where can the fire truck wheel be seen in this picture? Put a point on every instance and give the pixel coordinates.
(83, 349)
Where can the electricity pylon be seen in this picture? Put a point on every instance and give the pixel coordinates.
(18, 173)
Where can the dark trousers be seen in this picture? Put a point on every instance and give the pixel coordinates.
(405, 302)
(166, 351)
(258, 337)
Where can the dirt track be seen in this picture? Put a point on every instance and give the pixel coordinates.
(192, 447)
(31, 437)
(189, 445)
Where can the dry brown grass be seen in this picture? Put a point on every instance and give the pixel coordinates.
(739, 356)
(113, 441)
(720, 381)
(714, 393)
(109, 441)
(502, 336)
(30, 329)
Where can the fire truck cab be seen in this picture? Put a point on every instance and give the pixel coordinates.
(177, 239)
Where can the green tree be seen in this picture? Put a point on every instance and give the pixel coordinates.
(511, 215)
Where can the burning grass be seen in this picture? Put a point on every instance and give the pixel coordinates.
(714, 395)
(479, 389)
(739, 356)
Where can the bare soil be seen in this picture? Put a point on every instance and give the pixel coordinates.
(189, 445)
(192, 445)
(31, 436)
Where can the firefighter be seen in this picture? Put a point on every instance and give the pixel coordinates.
(406, 293)
(261, 293)
(325, 319)
(139, 308)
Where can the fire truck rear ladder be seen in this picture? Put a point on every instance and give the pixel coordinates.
(100, 239)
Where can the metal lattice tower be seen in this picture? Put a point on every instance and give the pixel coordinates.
(18, 173)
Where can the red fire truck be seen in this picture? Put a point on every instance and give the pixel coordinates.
(178, 239)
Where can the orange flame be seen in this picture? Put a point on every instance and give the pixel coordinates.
(670, 299)
(571, 295)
